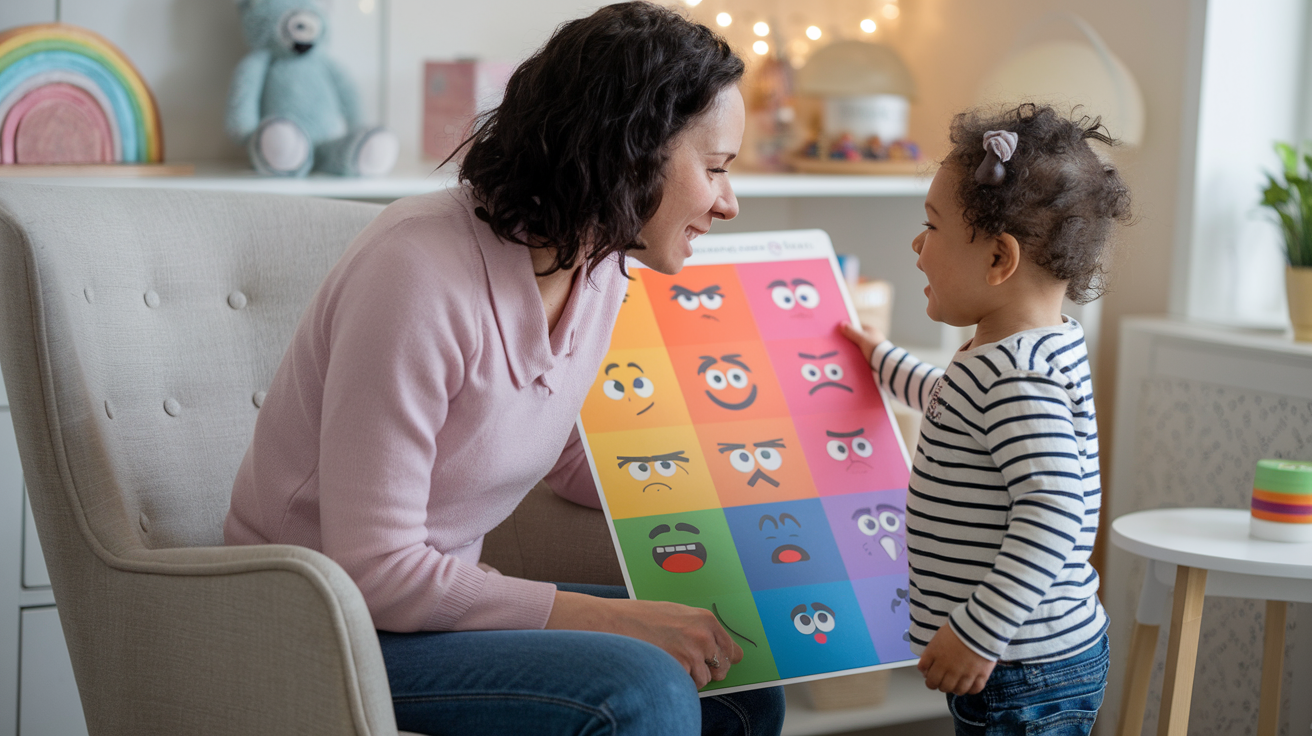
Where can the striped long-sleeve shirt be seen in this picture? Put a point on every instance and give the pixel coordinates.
(1002, 507)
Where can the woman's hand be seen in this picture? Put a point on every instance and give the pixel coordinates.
(865, 338)
(691, 635)
(952, 667)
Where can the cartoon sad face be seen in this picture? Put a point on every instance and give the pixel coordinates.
(730, 386)
(678, 557)
(817, 621)
(823, 372)
(641, 467)
(886, 527)
(629, 384)
(852, 458)
(787, 553)
(766, 454)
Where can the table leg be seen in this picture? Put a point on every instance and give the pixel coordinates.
(1273, 668)
(1138, 676)
(1182, 653)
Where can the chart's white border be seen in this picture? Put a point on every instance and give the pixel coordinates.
(763, 247)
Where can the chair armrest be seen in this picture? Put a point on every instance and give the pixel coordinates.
(233, 640)
(554, 540)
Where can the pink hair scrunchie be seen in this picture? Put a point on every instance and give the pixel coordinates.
(999, 145)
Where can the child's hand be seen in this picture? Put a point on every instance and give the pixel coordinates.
(865, 338)
(952, 667)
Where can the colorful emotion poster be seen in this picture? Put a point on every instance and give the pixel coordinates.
(748, 463)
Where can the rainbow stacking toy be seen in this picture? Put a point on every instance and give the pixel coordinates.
(1282, 501)
(68, 96)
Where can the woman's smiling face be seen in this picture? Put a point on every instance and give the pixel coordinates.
(697, 188)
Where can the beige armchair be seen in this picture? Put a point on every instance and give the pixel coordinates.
(138, 330)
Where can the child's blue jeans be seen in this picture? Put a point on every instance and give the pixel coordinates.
(1052, 698)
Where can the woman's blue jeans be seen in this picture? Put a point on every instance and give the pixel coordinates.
(1052, 698)
(559, 682)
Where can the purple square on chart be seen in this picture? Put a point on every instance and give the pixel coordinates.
(871, 531)
(885, 603)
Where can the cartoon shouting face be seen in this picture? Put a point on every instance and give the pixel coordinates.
(816, 621)
(666, 465)
(789, 552)
(886, 527)
(766, 454)
(677, 554)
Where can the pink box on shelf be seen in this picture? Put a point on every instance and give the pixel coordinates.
(454, 93)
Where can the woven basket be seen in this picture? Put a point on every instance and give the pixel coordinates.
(851, 691)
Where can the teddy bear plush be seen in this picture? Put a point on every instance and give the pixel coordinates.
(291, 106)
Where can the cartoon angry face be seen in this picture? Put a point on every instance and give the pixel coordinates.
(666, 465)
(677, 555)
(821, 371)
(708, 300)
(850, 448)
(799, 297)
(886, 527)
(816, 621)
(729, 385)
(628, 383)
(766, 455)
(785, 553)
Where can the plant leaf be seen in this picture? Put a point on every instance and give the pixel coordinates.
(1275, 194)
(1288, 157)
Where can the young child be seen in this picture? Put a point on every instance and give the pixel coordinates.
(1002, 507)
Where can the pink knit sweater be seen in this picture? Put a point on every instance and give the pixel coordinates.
(420, 399)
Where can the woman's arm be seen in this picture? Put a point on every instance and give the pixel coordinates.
(571, 478)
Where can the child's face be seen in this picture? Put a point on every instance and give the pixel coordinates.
(955, 265)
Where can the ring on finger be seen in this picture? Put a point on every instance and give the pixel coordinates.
(714, 662)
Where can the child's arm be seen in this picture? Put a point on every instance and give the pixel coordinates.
(911, 381)
(1028, 427)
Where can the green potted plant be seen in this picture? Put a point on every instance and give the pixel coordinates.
(1291, 199)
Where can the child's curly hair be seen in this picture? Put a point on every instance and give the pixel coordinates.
(1059, 200)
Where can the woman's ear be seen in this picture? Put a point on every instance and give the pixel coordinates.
(1004, 259)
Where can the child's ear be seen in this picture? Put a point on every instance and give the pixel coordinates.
(1004, 258)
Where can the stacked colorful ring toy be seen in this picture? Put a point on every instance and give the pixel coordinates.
(1282, 501)
(68, 96)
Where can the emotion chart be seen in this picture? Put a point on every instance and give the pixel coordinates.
(749, 464)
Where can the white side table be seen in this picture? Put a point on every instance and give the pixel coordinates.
(1204, 552)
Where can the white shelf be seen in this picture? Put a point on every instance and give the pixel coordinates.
(908, 700)
(418, 179)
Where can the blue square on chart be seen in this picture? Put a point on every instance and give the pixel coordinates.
(785, 544)
(814, 629)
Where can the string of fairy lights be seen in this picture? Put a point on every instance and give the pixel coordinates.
(800, 36)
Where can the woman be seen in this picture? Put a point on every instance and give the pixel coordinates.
(438, 372)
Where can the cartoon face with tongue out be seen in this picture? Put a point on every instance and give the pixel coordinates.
(677, 555)
(816, 621)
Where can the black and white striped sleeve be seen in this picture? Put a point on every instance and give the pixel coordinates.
(1026, 421)
(910, 380)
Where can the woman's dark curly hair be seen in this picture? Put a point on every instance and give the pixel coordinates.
(1059, 200)
(573, 158)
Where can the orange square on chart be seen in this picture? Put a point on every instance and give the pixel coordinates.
(727, 382)
(634, 389)
(756, 462)
(700, 305)
(652, 471)
(635, 327)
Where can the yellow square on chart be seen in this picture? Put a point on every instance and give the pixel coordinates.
(634, 389)
(652, 471)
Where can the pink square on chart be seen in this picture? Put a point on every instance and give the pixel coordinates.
(852, 452)
(823, 375)
(793, 298)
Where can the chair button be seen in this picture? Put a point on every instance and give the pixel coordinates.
(237, 300)
(258, 398)
(109, 409)
(172, 407)
(90, 294)
(152, 299)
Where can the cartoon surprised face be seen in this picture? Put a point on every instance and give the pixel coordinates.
(729, 386)
(850, 448)
(786, 553)
(816, 621)
(886, 527)
(821, 371)
(707, 300)
(766, 454)
(629, 384)
(799, 297)
(676, 554)
(666, 465)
